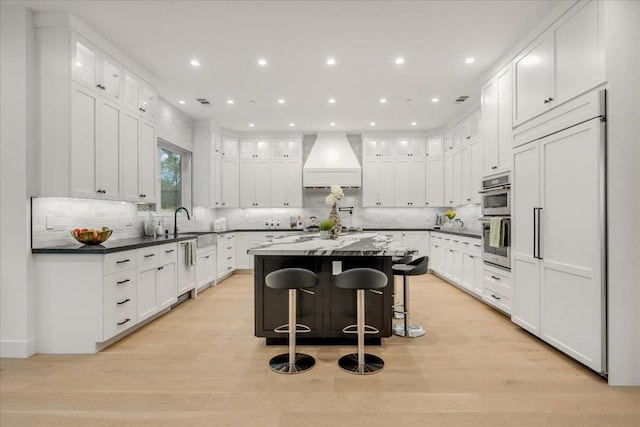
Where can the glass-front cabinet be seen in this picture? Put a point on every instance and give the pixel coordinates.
(378, 147)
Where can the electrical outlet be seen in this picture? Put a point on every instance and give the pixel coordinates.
(49, 223)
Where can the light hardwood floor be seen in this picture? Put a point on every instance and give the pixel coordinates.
(200, 365)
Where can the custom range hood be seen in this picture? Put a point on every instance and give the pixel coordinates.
(331, 161)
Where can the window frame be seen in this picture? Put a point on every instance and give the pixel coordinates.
(187, 175)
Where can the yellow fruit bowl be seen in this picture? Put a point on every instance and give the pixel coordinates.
(91, 236)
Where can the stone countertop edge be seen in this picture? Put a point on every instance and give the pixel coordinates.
(142, 242)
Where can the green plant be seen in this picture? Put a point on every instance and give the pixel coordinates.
(327, 225)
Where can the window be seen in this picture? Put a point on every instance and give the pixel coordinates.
(175, 177)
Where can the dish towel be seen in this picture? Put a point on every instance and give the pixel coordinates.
(496, 230)
(189, 253)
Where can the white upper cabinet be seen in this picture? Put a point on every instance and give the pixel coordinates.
(254, 149)
(410, 182)
(147, 162)
(410, 147)
(286, 182)
(497, 131)
(139, 96)
(230, 183)
(131, 91)
(448, 140)
(378, 147)
(434, 146)
(95, 69)
(254, 182)
(378, 182)
(291, 148)
(230, 148)
(563, 63)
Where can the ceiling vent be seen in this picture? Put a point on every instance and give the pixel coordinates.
(461, 99)
(203, 101)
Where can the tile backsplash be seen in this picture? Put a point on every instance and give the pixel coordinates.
(63, 214)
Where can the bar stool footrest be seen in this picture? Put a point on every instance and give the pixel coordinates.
(415, 331)
(353, 329)
(281, 365)
(372, 364)
(300, 329)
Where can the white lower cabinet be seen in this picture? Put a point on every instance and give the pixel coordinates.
(205, 267)
(226, 255)
(417, 240)
(458, 259)
(85, 301)
(497, 290)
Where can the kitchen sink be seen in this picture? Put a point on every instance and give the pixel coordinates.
(204, 238)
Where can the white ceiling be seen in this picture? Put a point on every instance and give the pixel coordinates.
(228, 37)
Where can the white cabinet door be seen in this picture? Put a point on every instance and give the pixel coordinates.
(129, 144)
(457, 177)
(369, 183)
(216, 186)
(403, 194)
(410, 147)
(147, 162)
(478, 276)
(417, 240)
(230, 148)
(131, 91)
(84, 62)
(243, 243)
(166, 283)
(110, 77)
(457, 266)
(148, 101)
(448, 179)
(489, 107)
(572, 260)
(531, 73)
(84, 131)
(294, 182)
(108, 149)
(262, 183)
(434, 146)
(465, 178)
(247, 180)
(504, 83)
(220, 257)
(230, 183)
(476, 171)
(435, 182)
(434, 257)
(578, 47)
(146, 295)
(186, 273)
(418, 171)
(468, 271)
(278, 182)
(386, 173)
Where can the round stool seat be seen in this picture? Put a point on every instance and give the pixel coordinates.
(292, 278)
(361, 278)
(401, 259)
(414, 268)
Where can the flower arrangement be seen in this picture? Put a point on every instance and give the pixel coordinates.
(451, 214)
(335, 195)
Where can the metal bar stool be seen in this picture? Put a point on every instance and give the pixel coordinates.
(292, 279)
(360, 280)
(416, 267)
(398, 314)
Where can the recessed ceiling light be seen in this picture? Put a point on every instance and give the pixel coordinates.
(280, 101)
(435, 100)
(332, 124)
(181, 102)
(372, 124)
(78, 64)
(230, 101)
(251, 125)
(331, 61)
(262, 62)
(400, 60)
(332, 100)
(383, 100)
(413, 123)
(292, 124)
(195, 63)
(469, 60)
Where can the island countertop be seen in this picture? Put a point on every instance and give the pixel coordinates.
(348, 244)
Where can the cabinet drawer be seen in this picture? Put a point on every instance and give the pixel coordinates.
(119, 322)
(117, 282)
(155, 254)
(496, 299)
(119, 261)
(119, 303)
(497, 280)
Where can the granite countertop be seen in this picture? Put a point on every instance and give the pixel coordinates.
(349, 244)
(141, 242)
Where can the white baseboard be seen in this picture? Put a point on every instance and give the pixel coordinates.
(19, 349)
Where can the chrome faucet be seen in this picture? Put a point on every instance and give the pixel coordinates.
(175, 219)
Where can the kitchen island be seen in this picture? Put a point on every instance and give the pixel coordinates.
(330, 309)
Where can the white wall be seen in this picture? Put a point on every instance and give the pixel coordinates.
(174, 126)
(17, 302)
(623, 66)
